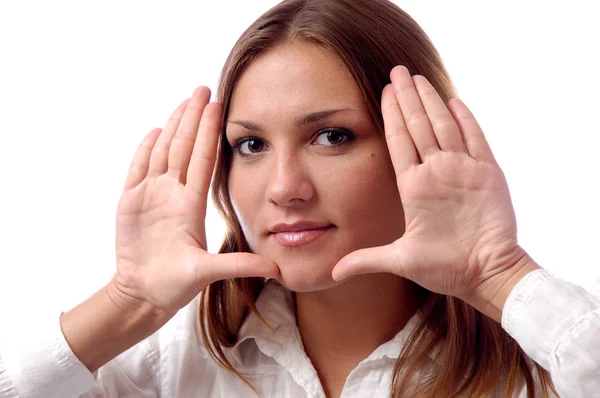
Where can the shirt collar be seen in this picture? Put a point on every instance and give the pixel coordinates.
(276, 305)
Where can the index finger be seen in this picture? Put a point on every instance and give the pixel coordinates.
(400, 144)
(204, 153)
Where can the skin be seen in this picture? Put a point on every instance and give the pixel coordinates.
(453, 231)
(292, 173)
(296, 176)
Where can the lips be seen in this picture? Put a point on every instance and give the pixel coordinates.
(299, 233)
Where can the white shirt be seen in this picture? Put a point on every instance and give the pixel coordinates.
(555, 322)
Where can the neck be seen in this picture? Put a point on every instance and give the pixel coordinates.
(343, 325)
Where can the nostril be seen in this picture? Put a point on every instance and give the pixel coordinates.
(292, 193)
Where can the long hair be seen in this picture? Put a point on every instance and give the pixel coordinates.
(370, 37)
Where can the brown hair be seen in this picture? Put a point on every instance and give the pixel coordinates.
(370, 37)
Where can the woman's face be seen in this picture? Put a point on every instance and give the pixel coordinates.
(311, 179)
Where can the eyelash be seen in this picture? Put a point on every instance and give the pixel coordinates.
(347, 134)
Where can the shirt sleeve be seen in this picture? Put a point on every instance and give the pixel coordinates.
(48, 368)
(557, 324)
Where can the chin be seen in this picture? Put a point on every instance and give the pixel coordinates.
(301, 277)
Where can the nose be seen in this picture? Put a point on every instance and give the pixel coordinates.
(289, 181)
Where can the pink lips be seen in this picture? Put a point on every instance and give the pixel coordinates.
(298, 233)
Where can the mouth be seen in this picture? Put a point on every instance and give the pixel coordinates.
(298, 234)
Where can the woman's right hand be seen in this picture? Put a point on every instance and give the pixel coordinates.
(161, 249)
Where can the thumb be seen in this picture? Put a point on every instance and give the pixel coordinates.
(369, 261)
(237, 265)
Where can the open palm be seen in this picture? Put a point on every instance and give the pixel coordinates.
(160, 236)
(460, 227)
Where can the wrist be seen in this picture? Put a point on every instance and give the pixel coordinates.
(132, 306)
(491, 300)
(107, 324)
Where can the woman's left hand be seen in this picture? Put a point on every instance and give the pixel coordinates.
(461, 234)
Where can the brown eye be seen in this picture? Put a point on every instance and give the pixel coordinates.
(334, 138)
(249, 146)
(255, 146)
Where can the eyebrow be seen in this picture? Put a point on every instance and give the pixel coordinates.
(299, 121)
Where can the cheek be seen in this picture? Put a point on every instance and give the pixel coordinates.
(246, 197)
(365, 181)
(367, 201)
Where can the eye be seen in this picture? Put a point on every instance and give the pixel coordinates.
(248, 146)
(334, 137)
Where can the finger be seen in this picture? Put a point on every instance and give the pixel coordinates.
(183, 142)
(160, 152)
(444, 126)
(236, 265)
(475, 141)
(413, 112)
(369, 261)
(402, 149)
(205, 150)
(139, 165)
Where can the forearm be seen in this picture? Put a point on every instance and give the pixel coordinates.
(557, 324)
(103, 326)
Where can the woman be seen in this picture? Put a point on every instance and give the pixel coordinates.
(376, 211)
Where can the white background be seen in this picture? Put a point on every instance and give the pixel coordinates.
(81, 83)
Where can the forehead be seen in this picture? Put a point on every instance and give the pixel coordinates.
(294, 78)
